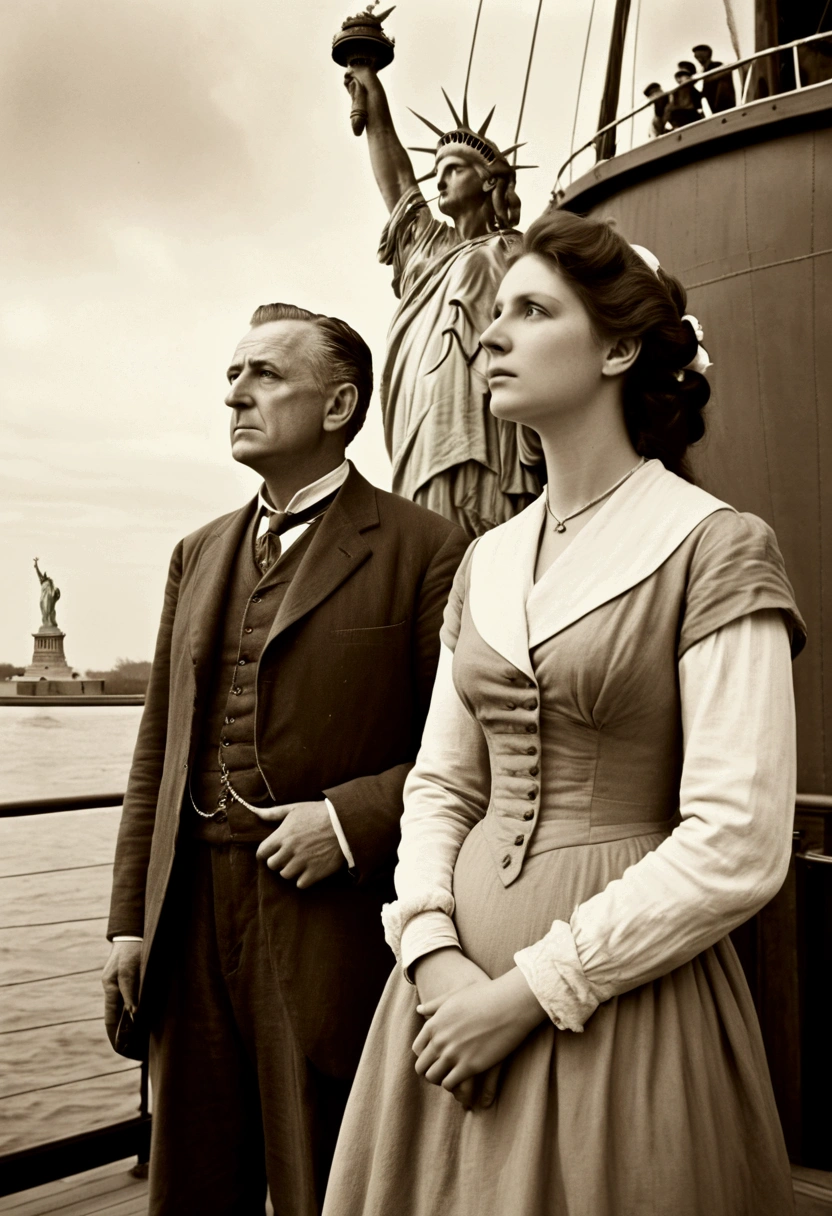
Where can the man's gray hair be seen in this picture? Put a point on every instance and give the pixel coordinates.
(342, 356)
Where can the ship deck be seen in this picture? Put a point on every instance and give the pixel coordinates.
(111, 1190)
(114, 1191)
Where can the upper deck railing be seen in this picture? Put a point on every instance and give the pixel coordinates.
(741, 73)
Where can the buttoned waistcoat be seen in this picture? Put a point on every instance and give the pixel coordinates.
(342, 688)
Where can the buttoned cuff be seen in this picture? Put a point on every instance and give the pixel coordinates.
(422, 935)
(339, 833)
(553, 971)
(126, 937)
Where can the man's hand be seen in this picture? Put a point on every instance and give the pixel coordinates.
(120, 980)
(305, 846)
(473, 1029)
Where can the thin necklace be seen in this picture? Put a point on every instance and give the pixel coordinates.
(561, 523)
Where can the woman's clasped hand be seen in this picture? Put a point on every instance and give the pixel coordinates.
(472, 1024)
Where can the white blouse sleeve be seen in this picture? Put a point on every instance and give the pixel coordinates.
(445, 795)
(728, 856)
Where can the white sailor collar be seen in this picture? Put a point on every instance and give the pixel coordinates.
(633, 533)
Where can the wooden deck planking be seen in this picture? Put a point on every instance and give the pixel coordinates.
(109, 1190)
(113, 1191)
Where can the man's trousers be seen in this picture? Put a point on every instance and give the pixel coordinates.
(236, 1103)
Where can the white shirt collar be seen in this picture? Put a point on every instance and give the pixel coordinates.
(305, 497)
(308, 495)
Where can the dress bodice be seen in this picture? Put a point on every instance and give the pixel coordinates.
(585, 737)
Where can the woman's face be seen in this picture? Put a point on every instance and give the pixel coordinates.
(544, 357)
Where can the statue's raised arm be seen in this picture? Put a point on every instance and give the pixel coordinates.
(391, 165)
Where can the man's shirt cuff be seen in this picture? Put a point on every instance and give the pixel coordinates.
(339, 833)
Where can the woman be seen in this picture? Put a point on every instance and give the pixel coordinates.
(605, 789)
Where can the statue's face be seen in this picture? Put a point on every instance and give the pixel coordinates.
(277, 406)
(460, 186)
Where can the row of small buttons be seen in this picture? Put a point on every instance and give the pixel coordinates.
(512, 677)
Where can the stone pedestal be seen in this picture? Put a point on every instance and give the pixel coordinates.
(49, 674)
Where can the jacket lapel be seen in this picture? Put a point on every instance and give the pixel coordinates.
(632, 535)
(211, 580)
(336, 550)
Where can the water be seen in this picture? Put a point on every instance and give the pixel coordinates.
(51, 752)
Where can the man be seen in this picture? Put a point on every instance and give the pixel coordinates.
(718, 91)
(449, 453)
(655, 93)
(292, 675)
(685, 102)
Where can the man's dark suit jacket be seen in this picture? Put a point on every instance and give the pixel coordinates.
(343, 687)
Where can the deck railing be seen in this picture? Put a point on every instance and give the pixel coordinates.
(603, 142)
(118, 1140)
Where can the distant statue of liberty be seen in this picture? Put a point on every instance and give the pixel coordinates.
(49, 596)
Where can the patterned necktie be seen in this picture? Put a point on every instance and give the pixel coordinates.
(267, 548)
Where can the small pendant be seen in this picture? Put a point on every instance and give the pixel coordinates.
(560, 528)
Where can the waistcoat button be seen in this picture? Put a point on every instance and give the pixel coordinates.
(510, 705)
(528, 814)
(241, 663)
(531, 729)
(226, 742)
(532, 794)
(236, 690)
(248, 628)
(255, 599)
(506, 861)
(532, 771)
(518, 840)
(531, 705)
(531, 751)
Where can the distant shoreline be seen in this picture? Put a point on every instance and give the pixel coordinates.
(53, 701)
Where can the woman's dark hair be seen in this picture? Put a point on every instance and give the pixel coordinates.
(624, 298)
(342, 355)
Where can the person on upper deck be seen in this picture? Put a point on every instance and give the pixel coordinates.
(684, 105)
(658, 124)
(605, 789)
(718, 91)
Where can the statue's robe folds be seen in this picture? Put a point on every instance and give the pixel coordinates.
(449, 452)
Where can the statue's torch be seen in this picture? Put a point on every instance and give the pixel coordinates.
(361, 42)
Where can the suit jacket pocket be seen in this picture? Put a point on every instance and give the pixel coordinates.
(376, 635)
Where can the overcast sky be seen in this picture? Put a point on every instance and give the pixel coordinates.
(167, 167)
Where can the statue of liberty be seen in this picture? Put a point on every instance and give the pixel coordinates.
(449, 453)
(49, 596)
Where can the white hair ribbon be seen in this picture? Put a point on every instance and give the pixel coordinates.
(648, 257)
(701, 360)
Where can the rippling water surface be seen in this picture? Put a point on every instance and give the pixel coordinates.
(55, 873)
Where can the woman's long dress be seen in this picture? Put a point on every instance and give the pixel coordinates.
(571, 775)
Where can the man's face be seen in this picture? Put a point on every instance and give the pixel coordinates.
(703, 58)
(460, 186)
(277, 408)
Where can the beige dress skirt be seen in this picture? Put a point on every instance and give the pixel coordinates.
(661, 1107)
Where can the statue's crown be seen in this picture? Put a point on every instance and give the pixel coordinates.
(463, 135)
